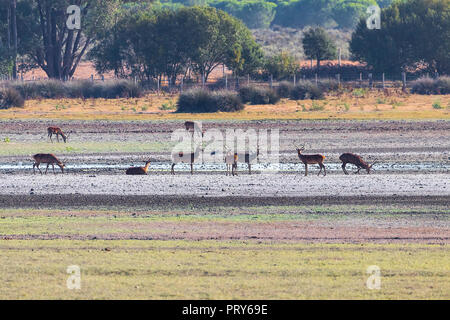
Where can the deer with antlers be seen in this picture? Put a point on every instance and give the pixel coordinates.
(311, 159)
(49, 159)
(135, 171)
(58, 132)
(355, 160)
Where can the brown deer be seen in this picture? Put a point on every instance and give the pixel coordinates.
(191, 125)
(58, 132)
(231, 162)
(311, 159)
(180, 158)
(248, 159)
(356, 160)
(49, 159)
(138, 170)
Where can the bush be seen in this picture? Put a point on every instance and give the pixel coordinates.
(204, 101)
(258, 95)
(431, 86)
(284, 89)
(10, 98)
(306, 90)
(328, 85)
(51, 89)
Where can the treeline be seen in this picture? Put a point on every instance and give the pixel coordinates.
(289, 13)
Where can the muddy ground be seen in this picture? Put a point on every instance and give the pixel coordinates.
(413, 169)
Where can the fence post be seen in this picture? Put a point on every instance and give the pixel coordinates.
(237, 83)
(103, 78)
(339, 57)
(370, 81)
(317, 80)
(92, 77)
(203, 80)
(295, 78)
(181, 85)
(271, 81)
(384, 84)
(404, 81)
(226, 82)
(339, 79)
(248, 79)
(157, 84)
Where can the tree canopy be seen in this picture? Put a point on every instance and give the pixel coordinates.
(318, 45)
(414, 34)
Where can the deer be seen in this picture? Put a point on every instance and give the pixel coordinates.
(138, 170)
(190, 126)
(231, 160)
(58, 132)
(355, 160)
(49, 159)
(190, 158)
(311, 159)
(248, 159)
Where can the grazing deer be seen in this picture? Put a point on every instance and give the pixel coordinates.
(190, 158)
(311, 159)
(231, 160)
(55, 130)
(356, 160)
(49, 159)
(138, 170)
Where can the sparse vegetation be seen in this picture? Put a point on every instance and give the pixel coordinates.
(258, 95)
(431, 86)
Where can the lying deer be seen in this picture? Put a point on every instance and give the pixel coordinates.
(58, 132)
(311, 159)
(356, 160)
(49, 159)
(138, 170)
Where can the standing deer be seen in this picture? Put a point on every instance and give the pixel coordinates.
(49, 159)
(356, 160)
(58, 132)
(138, 170)
(190, 158)
(311, 159)
(231, 162)
(248, 159)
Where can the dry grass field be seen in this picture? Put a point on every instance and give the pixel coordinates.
(363, 106)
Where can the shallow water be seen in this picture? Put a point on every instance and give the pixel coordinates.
(434, 167)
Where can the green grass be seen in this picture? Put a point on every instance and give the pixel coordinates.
(220, 270)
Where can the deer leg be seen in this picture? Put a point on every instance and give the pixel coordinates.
(172, 171)
(34, 166)
(249, 168)
(50, 136)
(320, 166)
(343, 167)
(53, 167)
(324, 169)
(306, 169)
(37, 166)
(57, 137)
(192, 168)
(47, 168)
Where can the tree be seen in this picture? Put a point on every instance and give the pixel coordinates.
(43, 37)
(282, 66)
(170, 42)
(414, 35)
(347, 13)
(318, 45)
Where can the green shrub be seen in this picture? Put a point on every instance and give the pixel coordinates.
(328, 85)
(10, 98)
(431, 86)
(437, 105)
(258, 95)
(306, 90)
(204, 101)
(284, 89)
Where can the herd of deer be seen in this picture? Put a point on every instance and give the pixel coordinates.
(231, 158)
